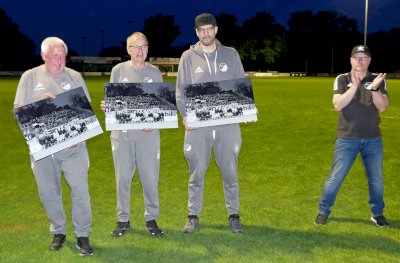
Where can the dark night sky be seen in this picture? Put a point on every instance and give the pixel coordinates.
(74, 19)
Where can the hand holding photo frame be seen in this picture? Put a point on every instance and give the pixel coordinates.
(51, 125)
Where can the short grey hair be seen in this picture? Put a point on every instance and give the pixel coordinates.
(52, 41)
(135, 35)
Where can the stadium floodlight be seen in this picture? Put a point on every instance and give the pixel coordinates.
(365, 22)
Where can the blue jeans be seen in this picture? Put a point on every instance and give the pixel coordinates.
(346, 150)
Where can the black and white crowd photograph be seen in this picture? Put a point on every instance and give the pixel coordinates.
(221, 102)
(51, 125)
(131, 106)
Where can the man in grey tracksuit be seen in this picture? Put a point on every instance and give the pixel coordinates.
(42, 82)
(208, 60)
(141, 148)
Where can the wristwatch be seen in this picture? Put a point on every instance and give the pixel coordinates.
(375, 89)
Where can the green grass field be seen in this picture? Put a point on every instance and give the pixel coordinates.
(284, 161)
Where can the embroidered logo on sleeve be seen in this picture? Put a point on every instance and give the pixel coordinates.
(125, 79)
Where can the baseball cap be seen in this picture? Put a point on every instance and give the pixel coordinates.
(204, 19)
(361, 49)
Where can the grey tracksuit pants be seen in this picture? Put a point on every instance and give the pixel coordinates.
(74, 162)
(145, 154)
(226, 141)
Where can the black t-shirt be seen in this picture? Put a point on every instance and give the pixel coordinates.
(360, 118)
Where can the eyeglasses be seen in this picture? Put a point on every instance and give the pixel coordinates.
(136, 48)
(360, 59)
(202, 30)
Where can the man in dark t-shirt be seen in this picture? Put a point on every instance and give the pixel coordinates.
(358, 96)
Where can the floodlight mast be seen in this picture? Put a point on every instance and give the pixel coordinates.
(365, 22)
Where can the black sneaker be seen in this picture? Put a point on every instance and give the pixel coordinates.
(234, 223)
(380, 221)
(58, 242)
(321, 220)
(153, 228)
(84, 247)
(191, 225)
(122, 228)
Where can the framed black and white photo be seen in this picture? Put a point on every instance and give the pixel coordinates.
(220, 102)
(131, 106)
(51, 125)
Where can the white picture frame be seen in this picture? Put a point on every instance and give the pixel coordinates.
(136, 106)
(51, 125)
(220, 102)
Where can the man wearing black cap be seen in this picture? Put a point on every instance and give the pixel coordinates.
(208, 60)
(359, 96)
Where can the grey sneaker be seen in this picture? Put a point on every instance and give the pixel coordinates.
(58, 242)
(234, 223)
(191, 225)
(84, 247)
(380, 221)
(122, 228)
(153, 228)
(321, 220)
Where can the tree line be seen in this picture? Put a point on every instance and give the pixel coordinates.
(314, 43)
